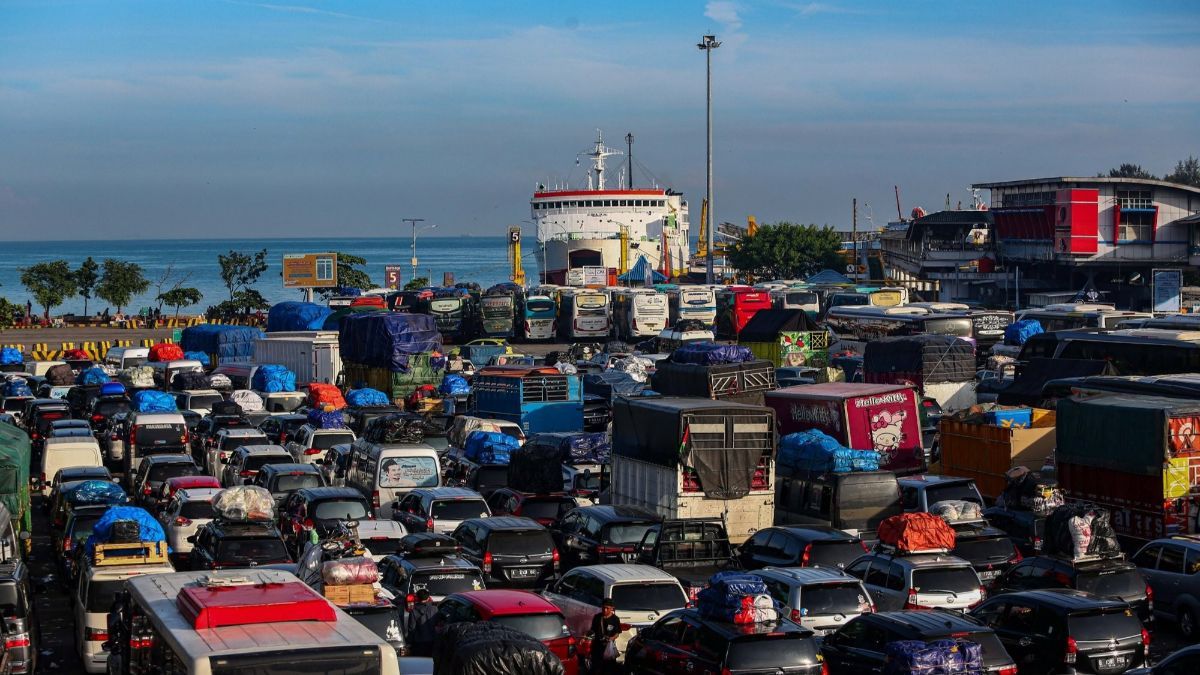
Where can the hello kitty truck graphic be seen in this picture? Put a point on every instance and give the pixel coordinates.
(881, 417)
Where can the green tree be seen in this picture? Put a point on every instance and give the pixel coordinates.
(180, 297)
(416, 284)
(786, 251)
(1128, 170)
(7, 311)
(50, 283)
(120, 281)
(240, 271)
(1187, 172)
(349, 274)
(86, 277)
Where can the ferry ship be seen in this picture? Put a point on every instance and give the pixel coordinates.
(587, 228)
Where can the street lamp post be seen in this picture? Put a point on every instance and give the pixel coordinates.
(414, 222)
(707, 44)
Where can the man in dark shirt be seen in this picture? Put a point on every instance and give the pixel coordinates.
(605, 629)
(420, 625)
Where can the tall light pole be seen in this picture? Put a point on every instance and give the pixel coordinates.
(413, 261)
(707, 44)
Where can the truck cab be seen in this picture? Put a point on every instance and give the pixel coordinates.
(689, 549)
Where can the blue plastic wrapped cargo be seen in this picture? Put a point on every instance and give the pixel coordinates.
(296, 316)
(150, 529)
(202, 357)
(366, 397)
(724, 598)
(112, 389)
(490, 447)
(228, 343)
(387, 339)
(711, 354)
(327, 420)
(816, 452)
(10, 356)
(92, 492)
(273, 378)
(454, 385)
(17, 388)
(152, 401)
(939, 657)
(1017, 332)
(94, 375)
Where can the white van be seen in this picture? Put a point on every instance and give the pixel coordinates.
(198, 400)
(60, 453)
(385, 472)
(126, 357)
(39, 368)
(165, 371)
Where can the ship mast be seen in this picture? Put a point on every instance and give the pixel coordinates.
(597, 156)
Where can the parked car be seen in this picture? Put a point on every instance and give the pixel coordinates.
(1062, 630)
(334, 464)
(69, 543)
(919, 581)
(284, 478)
(153, 471)
(172, 485)
(1105, 577)
(989, 550)
(204, 436)
(799, 546)
(279, 428)
(188, 510)
(510, 551)
(684, 643)
(220, 544)
(1026, 529)
(224, 442)
(403, 576)
(527, 612)
(318, 509)
(380, 537)
(439, 509)
(919, 492)
(1186, 661)
(21, 630)
(544, 508)
(69, 477)
(243, 464)
(859, 647)
(69, 429)
(103, 408)
(821, 599)
(308, 443)
(1172, 569)
(591, 535)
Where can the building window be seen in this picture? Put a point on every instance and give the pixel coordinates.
(324, 269)
(1136, 223)
(1015, 199)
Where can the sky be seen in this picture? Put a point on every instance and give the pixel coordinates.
(208, 118)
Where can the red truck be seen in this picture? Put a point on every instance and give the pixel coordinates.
(1136, 455)
(882, 417)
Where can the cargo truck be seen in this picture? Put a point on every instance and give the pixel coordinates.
(739, 382)
(985, 452)
(1139, 456)
(312, 356)
(696, 458)
(880, 417)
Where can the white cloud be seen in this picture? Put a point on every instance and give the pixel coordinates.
(813, 8)
(725, 13)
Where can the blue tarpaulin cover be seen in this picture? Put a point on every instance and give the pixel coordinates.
(151, 529)
(367, 397)
(227, 342)
(202, 357)
(387, 339)
(939, 657)
(725, 597)
(152, 400)
(490, 447)
(272, 378)
(17, 387)
(711, 354)
(1017, 332)
(296, 316)
(454, 385)
(112, 389)
(94, 375)
(817, 452)
(94, 492)
(10, 356)
(327, 420)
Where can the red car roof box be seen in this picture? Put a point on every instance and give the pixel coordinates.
(212, 606)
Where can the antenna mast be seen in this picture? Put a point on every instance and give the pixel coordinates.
(629, 157)
(597, 156)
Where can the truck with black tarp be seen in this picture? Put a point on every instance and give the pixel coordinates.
(744, 382)
(941, 367)
(1137, 456)
(571, 462)
(695, 458)
(689, 549)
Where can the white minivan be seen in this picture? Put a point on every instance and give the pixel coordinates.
(60, 453)
(126, 357)
(385, 472)
(165, 371)
(99, 583)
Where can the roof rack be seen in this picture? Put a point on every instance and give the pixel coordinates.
(135, 553)
(892, 550)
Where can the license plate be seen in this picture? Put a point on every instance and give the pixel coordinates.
(629, 557)
(988, 575)
(523, 572)
(1112, 663)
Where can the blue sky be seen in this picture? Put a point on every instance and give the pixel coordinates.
(230, 118)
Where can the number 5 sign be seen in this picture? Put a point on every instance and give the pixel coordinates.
(391, 276)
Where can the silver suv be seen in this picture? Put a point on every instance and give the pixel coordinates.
(918, 581)
(1172, 568)
(821, 599)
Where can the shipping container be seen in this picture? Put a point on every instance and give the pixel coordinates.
(313, 358)
(860, 416)
(1127, 433)
(985, 452)
(696, 458)
(1143, 506)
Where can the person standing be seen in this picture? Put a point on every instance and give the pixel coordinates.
(419, 625)
(606, 626)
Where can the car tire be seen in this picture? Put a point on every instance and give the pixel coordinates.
(1188, 624)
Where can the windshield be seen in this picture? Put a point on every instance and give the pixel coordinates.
(984, 549)
(587, 481)
(109, 408)
(835, 553)
(340, 510)
(536, 626)
(251, 550)
(801, 298)
(197, 510)
(1116, 623)
(770, 652)
(945, 580)
(381, 546)
(844, 598)
(445, 583)
(1124, 583)
(15, 404)
(82, 529)
(521, 542)
(626, 533)
(459, 509)
(591, 301)
(961, 491)
(491, 477)
(546, 508)
(863, 504)
(70, 432)
(655, 597)
(379, 620)
(100, 594)
(256, 462)
(235, 442)
(160, 472)
(203, 401)
(408, 472)
(327, 441)
(294, 481)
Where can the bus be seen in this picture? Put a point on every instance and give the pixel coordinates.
(453, 312)
(736, 306)
(987, 325)
(1140, 351)
(692, 302)
(855, 326)
(240, 622)
(1070, 316)
(497, 310)
(638, 314)
(584, 314)
(873, 297)
(539, 312)
(797, 297)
